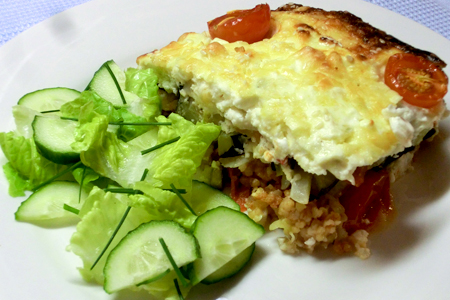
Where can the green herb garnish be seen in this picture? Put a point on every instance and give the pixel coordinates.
(160, 145)
(70, 119)
(116, 83)
(123, 191)
(144, 174)
(141, 123)
(73, 167)
(126, 123)
(71, 209)
(112, 236)
(172, 262)
(81, 183)
(121, 220)
(182, 199)
(175, 281)
(49, 111)
(181, 191)
(154, 278)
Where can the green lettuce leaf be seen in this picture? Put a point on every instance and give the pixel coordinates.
(107, 155)
(24, 117)
(86, 176)
(210, 173)
(87, 106)
(17, 183)
(179, 127)
(129, 132)
(162, 204)
(179, 161)
(144, 84)
(101, 213)
(123, 162)
(25, 159)
(90, 105)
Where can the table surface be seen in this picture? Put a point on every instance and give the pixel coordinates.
(19, 15)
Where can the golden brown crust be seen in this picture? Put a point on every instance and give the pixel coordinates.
(370, 38)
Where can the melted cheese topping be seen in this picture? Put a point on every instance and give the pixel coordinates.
(300, 93)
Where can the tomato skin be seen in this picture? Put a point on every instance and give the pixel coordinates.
(368, 204)
(419, 81)
(242, 25)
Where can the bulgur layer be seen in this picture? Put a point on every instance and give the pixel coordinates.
(306, 227)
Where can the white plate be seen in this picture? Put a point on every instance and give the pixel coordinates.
(409, 261)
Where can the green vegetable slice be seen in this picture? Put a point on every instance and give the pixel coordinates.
(232, 267)
(109, 83)
(46, 206)
(140, 256)
(222, 234)
(54, 137)
(48, 99)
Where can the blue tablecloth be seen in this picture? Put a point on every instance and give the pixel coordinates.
(18, 15)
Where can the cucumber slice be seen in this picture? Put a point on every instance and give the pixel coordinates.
(53, 137)
(48, 99)
(222, 234)
(111, 87)
(205, 197)
(45, 206)
(139, 256)
(232, 267)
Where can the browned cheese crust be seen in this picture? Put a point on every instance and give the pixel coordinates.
(370, 39)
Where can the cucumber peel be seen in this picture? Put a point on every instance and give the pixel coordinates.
(53, 137)
(222, 234)
(139, 256)
(45, 207)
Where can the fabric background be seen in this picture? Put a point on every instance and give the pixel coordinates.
(19, 15)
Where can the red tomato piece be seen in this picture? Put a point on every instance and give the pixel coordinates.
(419, 81)
(250, 25)
(368, 204)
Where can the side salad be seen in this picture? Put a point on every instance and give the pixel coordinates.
(136, 181)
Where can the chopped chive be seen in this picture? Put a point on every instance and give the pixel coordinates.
(140, 123)
(182, 199)
(144, 174)
(181, 191)
(123, 191)
(70, 119)
(154, 278)
(56, 176)
(172, 262)
(71, 209)
(136, 192)
(49, 111)
(175, 281)
(160, 145)
(126, 123)
(81, 183)
(115, 82)
(112, 236)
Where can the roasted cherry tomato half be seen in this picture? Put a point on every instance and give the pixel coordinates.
(419, 81)
(369, 204)
(250, 25)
